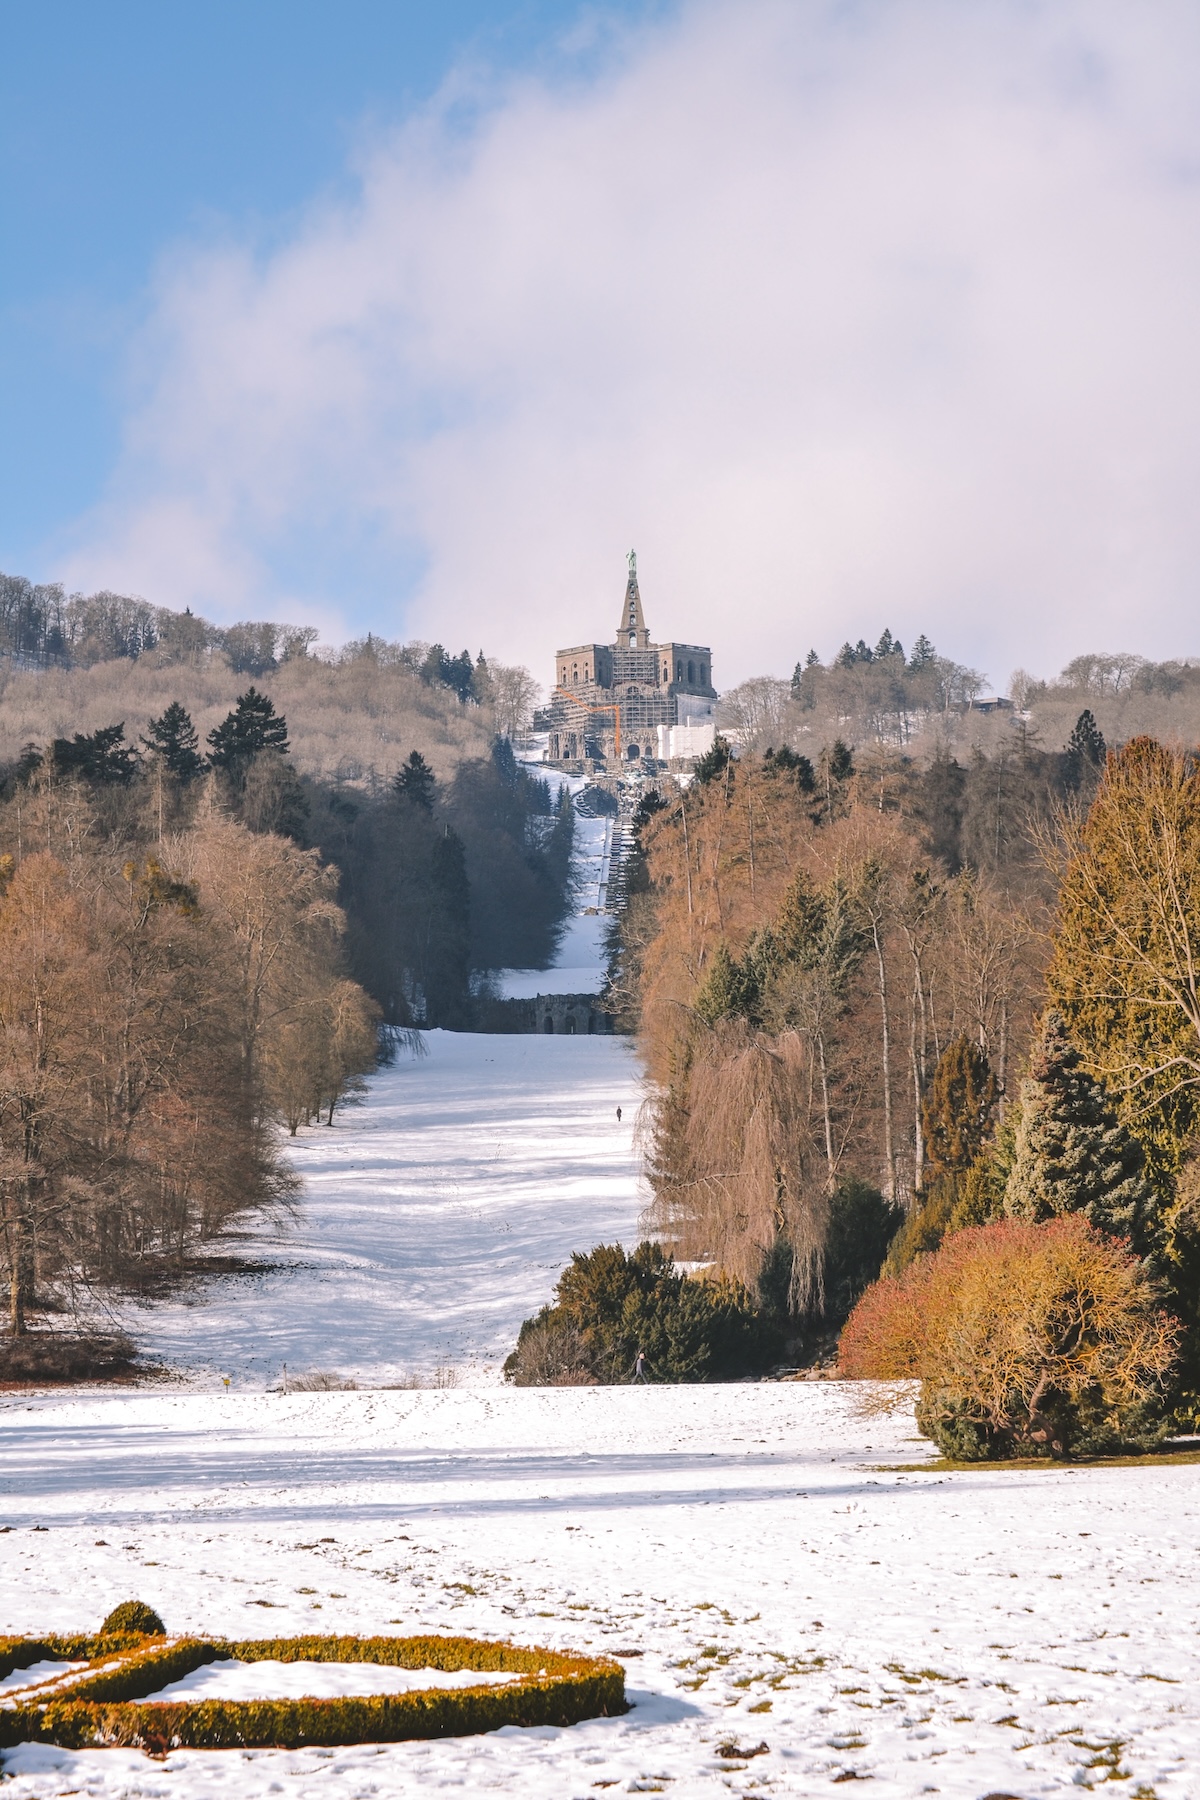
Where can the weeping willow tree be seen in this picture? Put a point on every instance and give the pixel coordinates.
(733, 1165)
(745, 1149)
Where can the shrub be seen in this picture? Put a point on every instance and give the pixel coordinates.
(924, 1228)
(321, 1381)
(112, 1705)
(861, 1226)
(133, 1616)
(609, 1305)
(1029, 1339)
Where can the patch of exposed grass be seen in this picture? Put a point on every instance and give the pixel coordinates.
(1105, 1758)
(913, 1677)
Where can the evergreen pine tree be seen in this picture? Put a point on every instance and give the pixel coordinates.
(505, 763)
(1087, 739)
(482, 686)
(956, 1117)
(102, 757)
(252, 726)
(415, 782)
(837, 766)
(790, 762)
(174, 738)
(1072, 1152)
(723, 991)
(839, 761)
(956, 1112)
(1085, 749)
(28, 763)
(714, 762)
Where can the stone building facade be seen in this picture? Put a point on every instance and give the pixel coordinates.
(610, 700)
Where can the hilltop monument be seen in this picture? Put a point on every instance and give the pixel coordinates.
(631, 700)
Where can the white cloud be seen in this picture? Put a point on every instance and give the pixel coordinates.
(846, 315)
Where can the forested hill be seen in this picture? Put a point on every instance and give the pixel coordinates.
(81, 663)
(392, 761)
(882, 698)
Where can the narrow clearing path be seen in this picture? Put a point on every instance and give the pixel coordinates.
(434, 1217)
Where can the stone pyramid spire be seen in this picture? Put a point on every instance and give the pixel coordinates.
(632, 633)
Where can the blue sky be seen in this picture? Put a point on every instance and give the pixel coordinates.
(847, 314)
(128, 125)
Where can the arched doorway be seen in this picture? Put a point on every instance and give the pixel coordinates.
(549, 1025)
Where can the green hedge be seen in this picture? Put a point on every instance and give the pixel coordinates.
(22, 1653)
(110, 1707)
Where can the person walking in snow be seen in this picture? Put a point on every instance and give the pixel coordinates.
(639, 1367)
(618, 1115)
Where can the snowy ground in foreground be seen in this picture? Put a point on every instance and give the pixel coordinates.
(434, 1218)
(766, 1579)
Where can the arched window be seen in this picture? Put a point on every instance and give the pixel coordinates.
(691, 672)
(633, 753)
(679, 671)
(703, 674)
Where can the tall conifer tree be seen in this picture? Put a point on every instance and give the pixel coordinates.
(956, 1113)
(252, 726)
(1072, 1152)
(173, 737)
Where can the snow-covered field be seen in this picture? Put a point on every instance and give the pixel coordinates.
(767, 1581)
(434, 1217)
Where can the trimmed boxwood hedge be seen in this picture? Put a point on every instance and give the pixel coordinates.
(110, 1706)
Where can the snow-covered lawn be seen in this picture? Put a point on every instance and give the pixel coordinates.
(434, 1217)
(766, 1580)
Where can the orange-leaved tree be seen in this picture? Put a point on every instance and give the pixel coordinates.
(1026, 1339)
